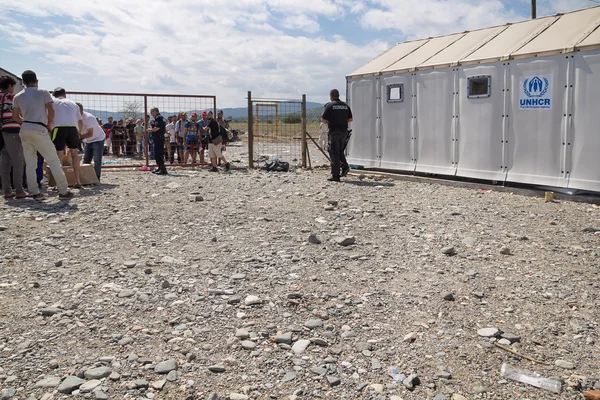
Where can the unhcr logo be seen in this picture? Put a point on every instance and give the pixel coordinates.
(535, 92)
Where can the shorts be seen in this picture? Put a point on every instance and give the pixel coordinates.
(65, 135)
(214, 150)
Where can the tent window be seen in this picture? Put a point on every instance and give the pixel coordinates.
(395, 93)
(479, 87)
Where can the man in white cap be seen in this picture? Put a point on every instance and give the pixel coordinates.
(68, 122)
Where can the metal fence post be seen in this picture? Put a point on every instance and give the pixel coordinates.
(304, 144)
(147, 121)
(250, 132)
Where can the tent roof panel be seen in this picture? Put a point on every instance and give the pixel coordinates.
(515, 36)
(564, 34)
(423, 53)
(463, 47)
(592, 40)
(553, 34)
(391, 56)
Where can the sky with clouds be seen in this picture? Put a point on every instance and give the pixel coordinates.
(275, 48)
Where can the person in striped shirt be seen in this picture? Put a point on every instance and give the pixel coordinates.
(11, 156)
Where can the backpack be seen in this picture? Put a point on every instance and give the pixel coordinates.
(191, 140)
(224, 132)
(278, 166)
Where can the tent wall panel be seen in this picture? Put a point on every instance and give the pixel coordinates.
(433, 130)
(585, 139)
(535, 136)
(480, 125)
(396, 125)
(363, 148)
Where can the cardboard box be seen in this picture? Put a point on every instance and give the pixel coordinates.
(88, 175)
(66, 161)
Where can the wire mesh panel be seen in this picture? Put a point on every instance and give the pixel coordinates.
(171, 106)
(277, 129)
(316, 140)
(119, 109)
(123, 147)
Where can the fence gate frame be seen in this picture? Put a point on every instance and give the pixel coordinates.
(146, 114)
(259, 102)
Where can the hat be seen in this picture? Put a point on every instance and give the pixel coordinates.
(194, 115)
(204, 113)
(139, 121)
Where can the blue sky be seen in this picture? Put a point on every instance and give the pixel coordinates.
(276, 48)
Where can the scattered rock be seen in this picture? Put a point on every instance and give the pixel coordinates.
(312, 238)
(564, 364)
(512, 338)
(89, 386)
(411, 381)
(49, 382)
(217, 369)
(284, 338)
(313, 323)
(300, 346)
(248, 345)
(449, 251)
(333, 380)
(166, 366)
(489, 332)
(289, 376)
(97, 373)
(252, 300)
(479, 389)
(411, 337)
(448, 296)
(345, 240)
(70, 384)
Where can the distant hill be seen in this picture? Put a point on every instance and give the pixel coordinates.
(313, 112)
(242, 112)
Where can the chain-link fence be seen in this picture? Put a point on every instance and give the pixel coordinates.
(285, 130)
(276, 131)
(125, 148)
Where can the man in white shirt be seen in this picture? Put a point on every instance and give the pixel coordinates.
(32, 107)
(93, 136)
(171, 146)
(180, 136)
(68, 122)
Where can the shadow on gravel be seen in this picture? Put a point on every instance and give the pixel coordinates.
(369, 183)
(95, 190)
(51, 205)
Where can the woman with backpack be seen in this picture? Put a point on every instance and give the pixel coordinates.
(214, 145)
(191, 132)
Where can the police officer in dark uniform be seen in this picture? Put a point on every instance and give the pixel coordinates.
(337, 115)
(158, 129)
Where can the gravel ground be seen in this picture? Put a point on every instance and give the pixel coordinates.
(250, 285)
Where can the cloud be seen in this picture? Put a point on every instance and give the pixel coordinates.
(177, 46)
(436, 17)
(301, 22)
(281, 48)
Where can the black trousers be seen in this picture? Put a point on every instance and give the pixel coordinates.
(159, 149)
(337, 141)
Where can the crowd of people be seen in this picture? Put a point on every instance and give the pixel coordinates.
(183, 139)
(37, 127)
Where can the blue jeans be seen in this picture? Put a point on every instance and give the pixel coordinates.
(95, 150)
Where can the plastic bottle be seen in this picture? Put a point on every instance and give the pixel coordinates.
(530, 378)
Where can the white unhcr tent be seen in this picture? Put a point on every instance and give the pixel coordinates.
(516, 103)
